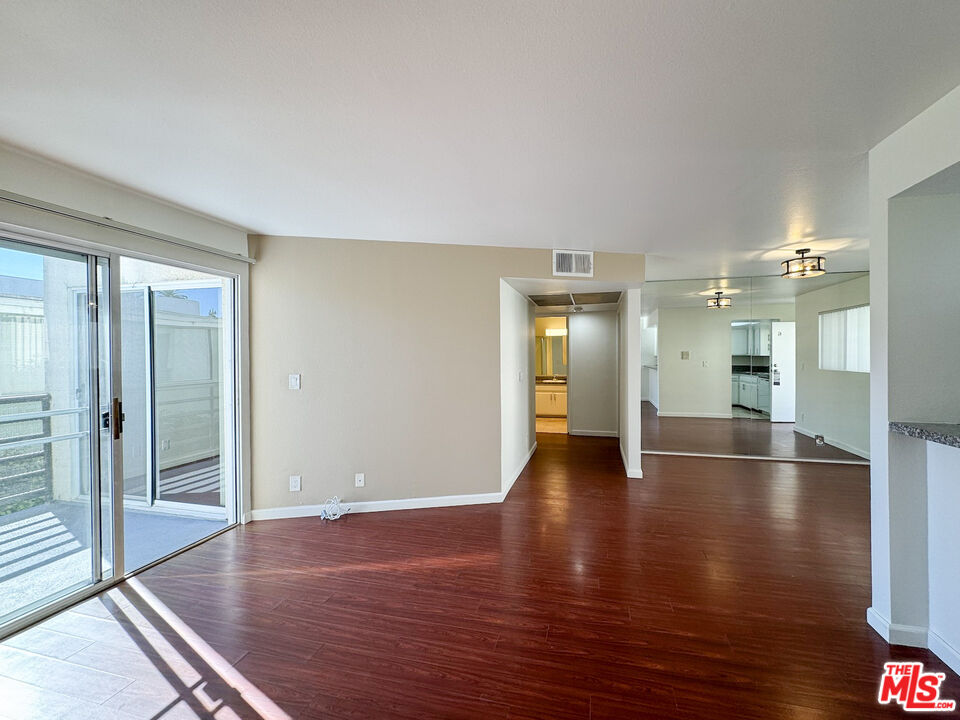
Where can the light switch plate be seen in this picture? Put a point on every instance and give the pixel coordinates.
(295, 484)
(293, 381)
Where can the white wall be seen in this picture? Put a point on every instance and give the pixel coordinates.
(923, 147)
(592, 402)
(831, 403)
(924, 232)
(700, 385)
(37, 178)
(517, 419)
(943, 533)
(631, 372)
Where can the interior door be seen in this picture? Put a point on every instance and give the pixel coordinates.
(783, 372)
(55, 454)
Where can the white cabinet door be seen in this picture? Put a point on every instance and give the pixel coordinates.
(543, 403)
(738, 341)
(735, 391)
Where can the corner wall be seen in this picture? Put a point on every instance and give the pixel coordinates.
(518, 430)
(899, 511)
(399, 348)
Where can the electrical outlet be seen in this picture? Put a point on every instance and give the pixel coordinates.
(359, 480)
(293, 381)
(164, 444)
(295, 483)
(684, 354)
(705, 364)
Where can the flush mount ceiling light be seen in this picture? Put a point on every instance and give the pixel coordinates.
(803, 266)
(555, 332)
(719, 302)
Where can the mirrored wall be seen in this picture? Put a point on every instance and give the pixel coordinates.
(757, 366)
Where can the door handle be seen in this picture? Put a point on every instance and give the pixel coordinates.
(117, 418)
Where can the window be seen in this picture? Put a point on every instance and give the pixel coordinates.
(845, 339)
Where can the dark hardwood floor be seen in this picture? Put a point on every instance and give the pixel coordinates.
(733, 436)
(710, 588)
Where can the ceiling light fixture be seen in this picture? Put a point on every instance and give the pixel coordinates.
(719, 302)
(803, 266)
(555, 332)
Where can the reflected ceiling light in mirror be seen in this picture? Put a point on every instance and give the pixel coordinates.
(803, 266)
(719, 302)
(725, 291)
(555, 332)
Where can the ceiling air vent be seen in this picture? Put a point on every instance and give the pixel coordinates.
(572, 263)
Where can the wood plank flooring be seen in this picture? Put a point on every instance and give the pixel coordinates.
(733, 436)
(708, 589)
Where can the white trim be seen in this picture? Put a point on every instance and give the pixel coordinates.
(829, 461)
(631, 472)
(516, 473)
(298, 511)
(595, 433)
(944, 650)
(908, 635)
(836, 443)
(719, 416)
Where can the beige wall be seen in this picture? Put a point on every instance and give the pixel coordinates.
(398, 344)
(831, 403)
(700, 385)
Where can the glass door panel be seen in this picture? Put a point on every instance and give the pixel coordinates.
(178, 385)
(50, 464)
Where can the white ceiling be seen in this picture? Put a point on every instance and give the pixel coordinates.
(744, 292)
(711, 135)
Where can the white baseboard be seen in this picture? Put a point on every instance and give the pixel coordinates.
(865, 454)
(635, 473)
(909, 635)
(519, 469)
(944, 650)
(915, 636)
(364, 506)
(594, 433)
(719, 416)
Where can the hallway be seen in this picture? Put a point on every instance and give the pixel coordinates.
(709, 588)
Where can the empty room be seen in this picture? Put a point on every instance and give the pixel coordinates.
(496, 359)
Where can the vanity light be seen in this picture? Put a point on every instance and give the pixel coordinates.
(555, 332)
(719, 302)
(803, 266)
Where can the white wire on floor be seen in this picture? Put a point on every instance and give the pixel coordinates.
(332, 510)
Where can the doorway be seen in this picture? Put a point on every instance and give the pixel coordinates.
(552, 360)
(118, 431)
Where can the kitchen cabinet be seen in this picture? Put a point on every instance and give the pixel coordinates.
(735, 390)
(752, 338)
(739, 340)
(748, 392)
(763, 395)
(551, 402)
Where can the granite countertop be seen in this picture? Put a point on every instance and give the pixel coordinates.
(943, 433)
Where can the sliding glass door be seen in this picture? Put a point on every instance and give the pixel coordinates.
(55, 469)
(118, 429)
(178, 387)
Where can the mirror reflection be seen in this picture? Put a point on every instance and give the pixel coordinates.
(758, 366)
